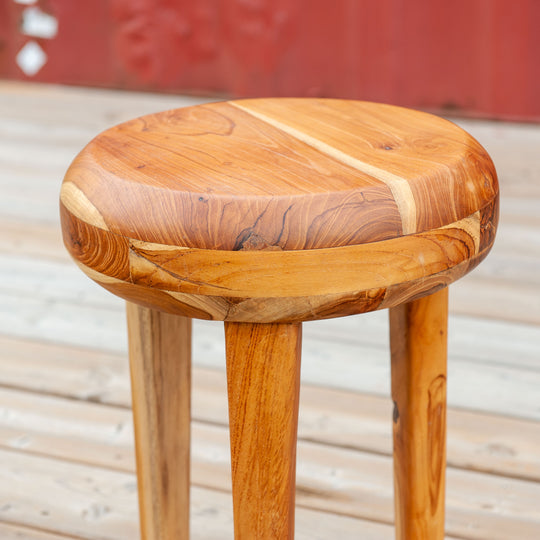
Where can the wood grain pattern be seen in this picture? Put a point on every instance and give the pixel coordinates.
(263, 380)
(279, 211)
(215, 177)
(437, 174)
(160, 361)
(418, 332)
(304, 284)
(281, 173)
(354, 206)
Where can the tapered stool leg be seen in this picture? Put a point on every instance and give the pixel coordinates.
(160, 359)
(263, 378)
(418, 333)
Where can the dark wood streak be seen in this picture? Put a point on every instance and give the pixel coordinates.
(488, 223)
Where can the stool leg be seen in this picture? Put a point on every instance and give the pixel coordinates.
(160, 360)
(418, 334)
(263, 379)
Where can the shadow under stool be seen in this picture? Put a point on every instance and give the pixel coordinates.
(265, 213)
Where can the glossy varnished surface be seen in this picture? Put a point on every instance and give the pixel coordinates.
(263, 386)
(418, 338)
(268, 286)
(160, 362)
(353, 206)
(289, 174)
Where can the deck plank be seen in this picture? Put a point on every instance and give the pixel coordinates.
(65, 423)
(479, 442)
(499, 388)
(93, 503)
(340, 480)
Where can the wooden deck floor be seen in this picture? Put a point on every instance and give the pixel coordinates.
(66, 441)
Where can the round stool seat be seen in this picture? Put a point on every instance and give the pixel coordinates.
(271, 210)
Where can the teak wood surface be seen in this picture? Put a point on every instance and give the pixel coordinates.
(279, 211)
(418, 337)
(160, 361)
(263, 380)
(356, 206)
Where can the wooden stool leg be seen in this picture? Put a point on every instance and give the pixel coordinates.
(418, 333)
(263, 379)
(160, 359)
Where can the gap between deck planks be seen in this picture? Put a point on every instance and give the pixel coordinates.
(21, 532)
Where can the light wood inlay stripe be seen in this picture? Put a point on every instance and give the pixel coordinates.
(80, 206)
(399, 186)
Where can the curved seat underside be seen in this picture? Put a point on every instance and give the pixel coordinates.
(274, 285)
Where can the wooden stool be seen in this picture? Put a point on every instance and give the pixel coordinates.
(266, 213)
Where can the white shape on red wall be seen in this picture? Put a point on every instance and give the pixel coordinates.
(37, 23)
(31, 58)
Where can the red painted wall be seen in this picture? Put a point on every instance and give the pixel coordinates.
(478, 57)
